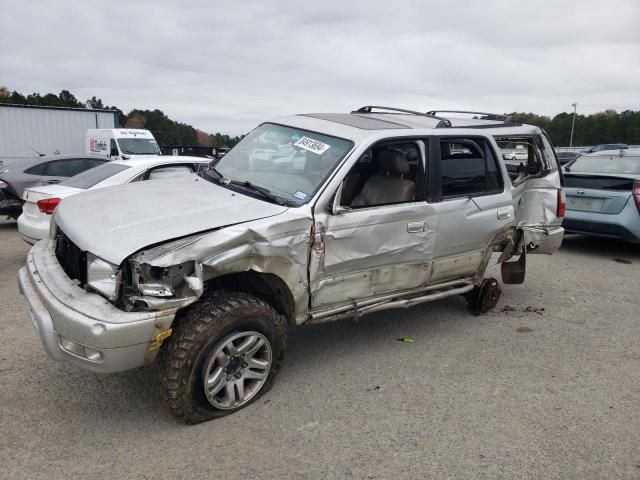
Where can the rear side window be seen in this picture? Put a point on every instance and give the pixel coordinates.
(523, 156)
(37, 169)
(468, 167)
(66, 168)
(93, 176)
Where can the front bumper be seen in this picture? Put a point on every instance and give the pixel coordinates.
(61, 312)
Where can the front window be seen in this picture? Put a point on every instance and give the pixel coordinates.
(289, 162)
(138, 146)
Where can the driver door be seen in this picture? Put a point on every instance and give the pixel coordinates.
(370, 250)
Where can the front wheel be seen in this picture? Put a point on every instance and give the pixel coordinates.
(225, 352)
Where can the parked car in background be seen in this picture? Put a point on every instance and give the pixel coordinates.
(603, 195)
(567, 157)
(41, 202)
(517, 154)
(21, 174)
(366, 211)
(607, 146)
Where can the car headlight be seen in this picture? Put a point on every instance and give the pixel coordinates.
(102, 276)
(3, 184)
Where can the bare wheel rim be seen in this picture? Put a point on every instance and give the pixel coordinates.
(236, 369)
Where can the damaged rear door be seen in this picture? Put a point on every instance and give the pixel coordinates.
(538, 201)
(473, 202)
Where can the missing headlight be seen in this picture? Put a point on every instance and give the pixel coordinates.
(102, 276)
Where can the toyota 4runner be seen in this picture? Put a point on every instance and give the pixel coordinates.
(310, 218)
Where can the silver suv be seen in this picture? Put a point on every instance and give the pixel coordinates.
(310, 218)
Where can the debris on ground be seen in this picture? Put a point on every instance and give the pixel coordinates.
(527, 309)
(524, 329)
(622, 260)
(377, 387)
(405, 340)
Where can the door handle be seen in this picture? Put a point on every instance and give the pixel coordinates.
(53, 181)
(416, 227)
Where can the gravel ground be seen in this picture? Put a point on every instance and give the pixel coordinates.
(545, 386)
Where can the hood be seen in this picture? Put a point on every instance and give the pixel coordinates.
(114, 222)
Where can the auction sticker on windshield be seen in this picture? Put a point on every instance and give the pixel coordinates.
(312, 145)
(300, 195)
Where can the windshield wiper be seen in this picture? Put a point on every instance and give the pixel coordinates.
(214, 174)
(262, 191)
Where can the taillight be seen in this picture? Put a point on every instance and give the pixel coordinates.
(48, 205)
(562, 204)
(636, 193)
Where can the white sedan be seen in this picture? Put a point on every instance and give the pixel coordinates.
(40, 202)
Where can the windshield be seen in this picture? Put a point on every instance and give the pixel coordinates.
(93, 176)
(603, 164)
(138, 146)
(289, 162)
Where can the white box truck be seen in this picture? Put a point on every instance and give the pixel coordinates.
(120, 143)
(27, 131)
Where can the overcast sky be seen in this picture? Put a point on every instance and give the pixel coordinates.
(226, 66)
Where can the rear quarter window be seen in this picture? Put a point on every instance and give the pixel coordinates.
(37, 169)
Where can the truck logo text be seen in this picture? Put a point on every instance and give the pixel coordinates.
(97, 145)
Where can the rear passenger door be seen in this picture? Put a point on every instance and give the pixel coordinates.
(535, 188)
(472, 203)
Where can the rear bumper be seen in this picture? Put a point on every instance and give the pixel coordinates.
(83, 328)
(30, 231)
(601, 229)
(624, 225)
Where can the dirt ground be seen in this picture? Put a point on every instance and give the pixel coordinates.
(545, 386)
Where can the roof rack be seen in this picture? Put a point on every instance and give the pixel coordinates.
(506, 119)
(443, 122)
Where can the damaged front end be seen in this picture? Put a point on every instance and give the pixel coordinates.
(148, 287)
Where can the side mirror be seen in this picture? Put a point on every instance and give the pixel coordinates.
(336, 208)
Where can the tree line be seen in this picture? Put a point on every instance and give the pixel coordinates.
(166, 131)
(603, 127)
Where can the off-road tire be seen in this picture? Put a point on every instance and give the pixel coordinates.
(196, 331)
(485, 297)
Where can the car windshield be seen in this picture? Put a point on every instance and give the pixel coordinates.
(93, 176)
(138, 146)
(289, 162)
(603, 164)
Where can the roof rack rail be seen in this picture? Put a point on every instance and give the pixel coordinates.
(443, 122)
(507, 119)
